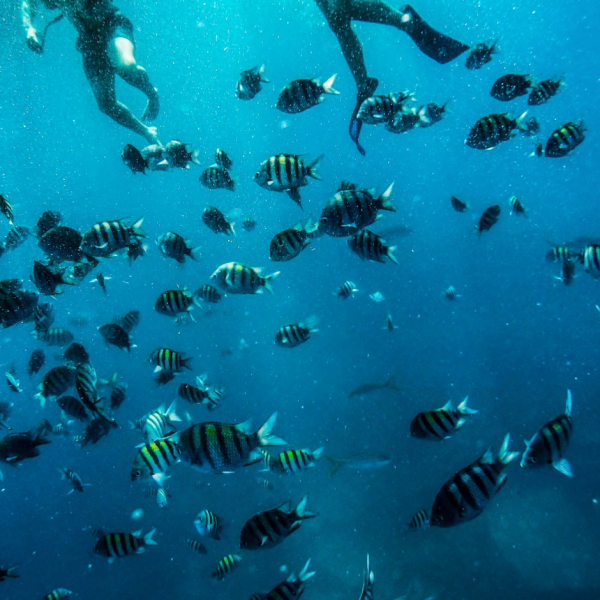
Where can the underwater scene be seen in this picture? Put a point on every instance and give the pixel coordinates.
(299, 299)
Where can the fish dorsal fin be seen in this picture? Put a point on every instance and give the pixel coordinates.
(245, 426)
(286, 507)
(569, 405)
(563, 466)
(447, 406)
(137, 533)
(488, 457)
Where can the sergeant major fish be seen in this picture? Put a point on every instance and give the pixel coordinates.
(441, 423)
(511, 86)
(117, 545)
(108, 237)
(369, 246)
(217, 222)
(291, 336)
(173, 245)
(288, 244)
(216, 177)
(565, 139)
(494, 129)
(236, 278)
(302, 94)
(249, 83)
(208, 524)
(225, 566)
(488, 219)
(480, 55)
(544, 90)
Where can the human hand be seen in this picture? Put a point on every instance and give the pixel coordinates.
(33, 41)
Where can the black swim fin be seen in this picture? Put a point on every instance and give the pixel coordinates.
(355, 124)
(434, 44)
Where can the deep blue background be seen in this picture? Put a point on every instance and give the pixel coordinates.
(514, 341)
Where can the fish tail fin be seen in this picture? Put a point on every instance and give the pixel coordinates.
(261, 73)
(520, 121)
(268, 281)
(194, 253)
(136, 229)
(311, 323)
(463, 409)
(569, 404)
(12, 572)
(171, 414)
(41, 398)
(311, 169)
(311, 227)
(62, 472)
(301, 512)
(194, 156)
(328, 85)
(264, 435)
(335, 464)
(318, 453)
(148, 541)
(390, 253)
(504, 456)
(304, 575)
(385, 199)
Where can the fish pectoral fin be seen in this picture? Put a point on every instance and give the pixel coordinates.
(263, 540)
(563, 466)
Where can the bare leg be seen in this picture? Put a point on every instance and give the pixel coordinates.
(102, 81)
(120, 53)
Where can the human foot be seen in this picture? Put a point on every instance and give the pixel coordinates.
(152, 107)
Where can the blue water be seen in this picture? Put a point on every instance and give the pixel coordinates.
(514, 341)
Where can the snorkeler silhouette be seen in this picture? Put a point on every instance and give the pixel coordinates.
(106, 44)
(341, 13)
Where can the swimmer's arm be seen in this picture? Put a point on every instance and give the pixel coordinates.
(28, 11)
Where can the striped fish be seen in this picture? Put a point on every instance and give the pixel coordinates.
(488, 219)
(173, 245)
(288, 243)
(290, 589)
(197, 546)
(346, 290)
(175, 302)
(591, 260)
(440, 424)
(249, 83)
(368, 582)
(158, 423)
(208, 524)
(169, 360)
(458, 205)
(216, 177)
(420, 520)
(404, 121)
(450, 293)
(195, 395)
(567, 272)
(562, 254)
(222, 159)
(237, 278)
(348, 211)
(548, 445)
(467, 493)
(7, 286)
(129, 321)
(17, 306)
(382, 108)
(286, 173)
(293, 461)
(369, 246)
(73, 408)
(209, 293)
(222, 448)
(115, 335)
(73, 478)
(291, 336)
(544, 90)
(43, 316)
(480, 55)
(85, 384)
(516, 206)
(162, 497)
(117, 545)
(225, 566)
(270, 527)
(152, 460)
(108, 237)
(510, 86)
(217, 222)
(55, 382)
(36, 362)
(58, 594)
(54, 336)
(302, 94)
(118, 395)
(565, 139)
(16, 237)
(494, 129)
(6, 209)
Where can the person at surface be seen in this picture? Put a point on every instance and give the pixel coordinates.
(106, 44)
(341, 13)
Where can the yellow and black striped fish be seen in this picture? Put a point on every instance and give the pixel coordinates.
(302, 94)
(290, 336)
(516, 206)
(548, 445)
(441, 423)
(170, 360)
(544, 90)
(237, 278)
(293, 461)
(175, 302)
(369, 246)
(565, 139)
(154, 459)
(420, 520)
(197, 546)
(225, 566)
(346, 290)
(494, 129)
(117, 545)
(288, 243)
(58, 594)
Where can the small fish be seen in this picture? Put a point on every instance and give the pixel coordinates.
(208, 524)
(62, 243)
(236, 278)
(419, 521)
(591, 260)
(249, 83)
(511, 86)
(209, 397)
(225, 566)
(174, 302)
(47, 279)
(367, 388)
(73, 407)
(457, 205)
(377, 297)
(117, 545)
(287, 173)
(516, 206)
(269, 528)
(43, 316)
(162, 497)
(441, 423)
(365, 461)
(134, 159)
(118, 396)
(58, 594)
(55, 382)
(73, 478)
(6, 572)
(217, 222)
(170, 360)
(404, 121)
(222, 159)
(368, 582)
(488, 219)
(6, 209)
(565, 139)
(567, 272)
(106, 238)
(346, 290)
(197, 546)
(389, 324)
(548, 445)
(54, 336)
(16, 237)
(17, 306)
(178, 156)
(544, 90)
(16, 447)
(158, 424)
(115, 335)
(249, 224)
(153, 460)
(208, 293)
(291, 336)
(101, 281)
(288, 244)
(293, 461)
(13, 382)
(450, 293)
(530, 127)
(302, 94)
(216, 177)
(163, 377)
(560, 254)
(290, 589)
(480, 55)
(494, 129)
(369, 246)
(382, 108)
(469, 491)
(430, 114)
(129, 321)
(76, 354)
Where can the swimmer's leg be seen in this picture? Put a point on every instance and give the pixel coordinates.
(434, 44)
(120, 54)
(102, 81)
